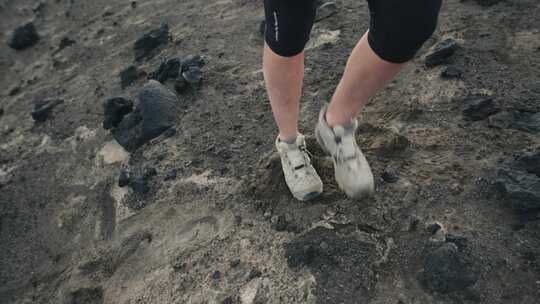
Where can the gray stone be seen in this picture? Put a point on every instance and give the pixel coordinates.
(23, 37)
(155, 113)
(447, 269)
(441, 52)
(480, 108)
(147, 43)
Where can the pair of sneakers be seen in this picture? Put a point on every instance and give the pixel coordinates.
(351, 168)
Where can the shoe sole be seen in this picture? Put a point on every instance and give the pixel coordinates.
(310, 196)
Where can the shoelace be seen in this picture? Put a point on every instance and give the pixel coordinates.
(346, 151)
(299, 158)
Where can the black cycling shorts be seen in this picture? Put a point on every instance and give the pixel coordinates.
(398, 28)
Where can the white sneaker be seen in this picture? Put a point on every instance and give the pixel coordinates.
(300, 176)
(351, 168)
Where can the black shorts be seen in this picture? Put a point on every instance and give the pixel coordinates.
(398, 28)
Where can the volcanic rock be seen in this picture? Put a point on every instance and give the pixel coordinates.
(128, 76)
(441, 52)
(146, 44)
(155, 113)
(451, 72)
(519, 181)
(169, 69)
(43, 108)
(448, 269)
(390, 175)
(193, 76)
(480, 108)
(124, 178)
(23, 37)
(526, 121)
(192, 61)
(86, 296)
(114, 110)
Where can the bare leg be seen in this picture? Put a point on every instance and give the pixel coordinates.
(365, 74)
(284, 77)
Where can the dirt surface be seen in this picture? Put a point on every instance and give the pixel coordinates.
(222, 227)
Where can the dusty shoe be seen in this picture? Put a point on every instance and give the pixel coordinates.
(300, 176)
(351, 168)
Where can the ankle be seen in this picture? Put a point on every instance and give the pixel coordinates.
(286, 138)
(337, 119)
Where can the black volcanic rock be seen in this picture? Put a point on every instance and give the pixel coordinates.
(390, 175)
(155, 113)
(480, 108)
(114, 110)
(128, 76)
(519, 181)
(43, 108)
(451, 72)
(441, 52)
(193, 76)
(448, 269)
(146, 44)
(192, 61)
(168, 69)
(23, 37)
(526, 121)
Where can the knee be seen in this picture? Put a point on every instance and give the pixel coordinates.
(398, 38)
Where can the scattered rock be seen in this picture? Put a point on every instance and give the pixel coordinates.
(1, 112)
(326, 10)
(65, 42)
(140, 185)
(519, 182)
(390, 175)
(192, 61)
(85, 296)
(193, 76)
(526, 121)
(145, 45)
(519, 120)
(451, 72)
(216, 275)
(23, 37)
(169, 69)
(235, 262)
(438, 232)
(448, 269)
(530, 162)
(155, 113)
(279, 222)
(253, 274)
(43, 108)
(227, 300)
(124, 178)
(434, 227)
(441, 52)
(171, 175)
(128, 76)
(114, 110)
(181, 85)
(480, 108)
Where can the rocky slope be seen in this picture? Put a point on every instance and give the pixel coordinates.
(137, 163)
